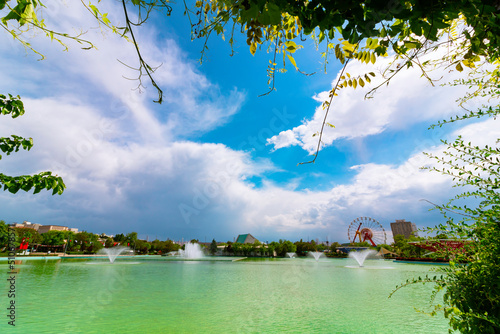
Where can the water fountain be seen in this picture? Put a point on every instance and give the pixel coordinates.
(291, 255)
(113, 252)
(361, 256)
(316, 255)
(191, 251)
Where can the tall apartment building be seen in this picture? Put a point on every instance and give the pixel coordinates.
(404, 228)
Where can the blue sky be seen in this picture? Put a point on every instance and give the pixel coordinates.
(215, 160)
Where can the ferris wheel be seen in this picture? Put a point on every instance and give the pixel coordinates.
(366, 229)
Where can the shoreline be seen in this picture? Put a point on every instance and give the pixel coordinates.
(67, 256)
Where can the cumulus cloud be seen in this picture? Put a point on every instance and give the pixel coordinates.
(192, 104)
(395, 107)
(196, 189)
(385, 192)
(118, 155)
(121, 182)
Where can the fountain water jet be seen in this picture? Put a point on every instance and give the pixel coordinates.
(191, 251)
(113, 252)
(316, 255)
(360, 257)
(291, 255)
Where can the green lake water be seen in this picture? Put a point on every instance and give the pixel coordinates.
(159, 295)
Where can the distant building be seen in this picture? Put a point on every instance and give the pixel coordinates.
(26, 224)
(45, 228)
(245, 239)
(404, 228)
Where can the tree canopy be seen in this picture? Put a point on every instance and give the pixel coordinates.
(362, 30)
(397, 24)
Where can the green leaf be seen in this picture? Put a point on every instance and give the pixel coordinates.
(291, 46)
(274, 13)
(95, 10)
(292, 60)
(253, 48)
(411, 45)
(250, 13)
(105, 18)
(15, 14)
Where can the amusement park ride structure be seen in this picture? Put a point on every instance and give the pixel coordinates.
(366, 229)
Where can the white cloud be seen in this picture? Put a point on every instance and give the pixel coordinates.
(385, 192)
(192, 104)
(284, 139)
(408, 100)
(117, 154)
(481, 133)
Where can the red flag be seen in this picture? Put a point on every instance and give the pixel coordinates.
(128, 243)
